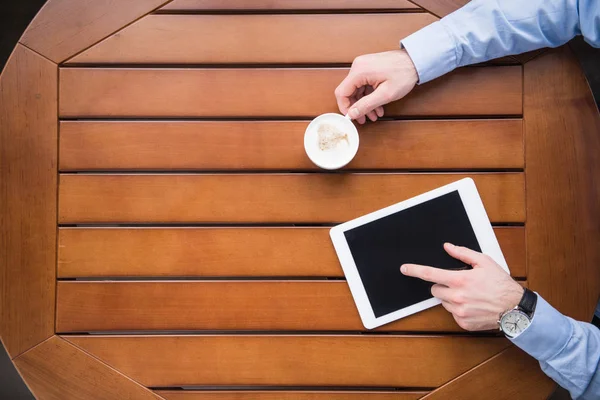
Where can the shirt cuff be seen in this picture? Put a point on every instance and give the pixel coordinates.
(432, 51)
(548, 333)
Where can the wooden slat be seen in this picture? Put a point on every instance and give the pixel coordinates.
(301, 252)
(57, 370)
(563, 194)
(300, 198)
(271, 39)
(223, 305)
(206, 145)
(203, 5)
(288, 395)
(28, 170)
(526, 380)
(97, 92)
(512, 242)
(441, 8)
(391, 361)
(64, 27)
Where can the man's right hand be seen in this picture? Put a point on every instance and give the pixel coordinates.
(373, 81)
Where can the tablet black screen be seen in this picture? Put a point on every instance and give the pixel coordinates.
(415, 235)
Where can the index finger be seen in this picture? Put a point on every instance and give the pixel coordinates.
(468, 256)
(430, 274)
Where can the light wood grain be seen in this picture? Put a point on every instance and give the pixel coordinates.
(288, 395)
(441, 8)
(223, 305)
(258, 198)
(98, 92)
(201, 5)
(291, 360)
(270, 39)
(278, 145)
(28, 175)
(510, 375)
(65, 27)
(563, 195)
(57, 370)
(209, 252)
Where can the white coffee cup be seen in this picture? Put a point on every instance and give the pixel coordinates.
(338, 154)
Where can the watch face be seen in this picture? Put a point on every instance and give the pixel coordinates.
(514, 323)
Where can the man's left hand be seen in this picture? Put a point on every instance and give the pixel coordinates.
(475, 297)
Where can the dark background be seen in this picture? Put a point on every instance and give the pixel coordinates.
(14, 18)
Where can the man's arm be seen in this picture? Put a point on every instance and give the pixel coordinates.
(480, 31)
(487, 29)
(568, 350)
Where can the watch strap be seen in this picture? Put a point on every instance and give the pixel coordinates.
(528, 302)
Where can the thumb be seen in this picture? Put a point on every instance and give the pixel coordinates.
(468, 256)
(370, 102)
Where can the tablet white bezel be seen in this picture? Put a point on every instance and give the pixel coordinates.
(479, 222)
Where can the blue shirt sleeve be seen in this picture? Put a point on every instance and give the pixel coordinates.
(487, 29)
(568, 350)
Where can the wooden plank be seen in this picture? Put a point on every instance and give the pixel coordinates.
(57, 370)
(390, 361)
(223, 305)
(287, 395)
(512, 242)
(563, 159)
(527, 381)
(28, 176)
(264, 145)
(259, 198)
(270, 39)
(208, 252)
(204, 5)
(63, 28)
(440, 8)
(292, 92)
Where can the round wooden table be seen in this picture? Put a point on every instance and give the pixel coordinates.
(163, 234)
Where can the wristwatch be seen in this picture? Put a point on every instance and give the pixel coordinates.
(514, 321)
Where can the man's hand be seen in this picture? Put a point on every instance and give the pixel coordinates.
(475, 297)
(375, 80)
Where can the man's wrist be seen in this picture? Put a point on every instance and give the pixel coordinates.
(432, 51)
(408, 64)
(548, 332)
(513, 296)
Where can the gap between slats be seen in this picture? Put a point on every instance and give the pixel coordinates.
(192, 278)
(204, 5)
(290, 393)
(347, 11)
(314, 333)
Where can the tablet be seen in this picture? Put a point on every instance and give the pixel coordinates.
(372, 248)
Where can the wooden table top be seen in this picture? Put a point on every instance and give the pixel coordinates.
(162, 228)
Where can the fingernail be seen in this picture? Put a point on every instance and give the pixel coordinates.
(403, 269)
(354, 113)
(450, 245)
